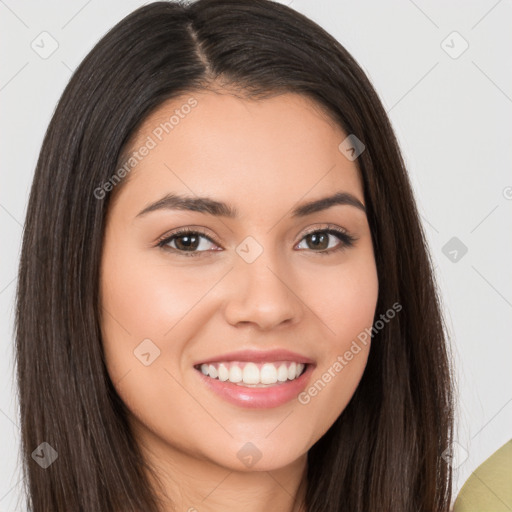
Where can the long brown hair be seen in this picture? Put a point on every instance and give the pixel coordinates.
(383, 453)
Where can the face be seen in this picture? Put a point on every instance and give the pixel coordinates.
(238, 290)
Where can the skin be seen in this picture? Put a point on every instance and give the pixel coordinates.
(263, 157)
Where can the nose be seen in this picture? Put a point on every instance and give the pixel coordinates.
(263, 294)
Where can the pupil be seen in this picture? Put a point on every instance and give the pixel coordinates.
(316, 238)
(190, 241)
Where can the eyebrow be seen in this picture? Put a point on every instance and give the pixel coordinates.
(219, 209)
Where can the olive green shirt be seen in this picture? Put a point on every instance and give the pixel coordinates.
(489, 488)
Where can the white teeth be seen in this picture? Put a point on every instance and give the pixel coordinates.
(282, 373)
(212, 371)
(253, 374)
(235, 374)
(291, 371)
(268, 374)
(223, 372)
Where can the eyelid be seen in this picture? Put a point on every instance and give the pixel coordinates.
(185, 230)
(327, 227)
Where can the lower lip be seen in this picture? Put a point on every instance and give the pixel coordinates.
(263, 398)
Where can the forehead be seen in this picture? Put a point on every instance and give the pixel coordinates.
(210, 143)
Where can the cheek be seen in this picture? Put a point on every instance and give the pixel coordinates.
(345, 297)
(144, 299)
(345, 300)
(143, 304)
(144, 330)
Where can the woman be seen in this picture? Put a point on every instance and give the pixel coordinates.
(180, 343)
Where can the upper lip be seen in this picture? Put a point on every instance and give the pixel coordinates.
(258, 356)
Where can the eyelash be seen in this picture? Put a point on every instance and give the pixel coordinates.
(346, 239)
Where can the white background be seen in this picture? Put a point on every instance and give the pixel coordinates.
(453, 119)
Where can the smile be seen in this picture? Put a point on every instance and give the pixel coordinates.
(258, 385)
(253, 374)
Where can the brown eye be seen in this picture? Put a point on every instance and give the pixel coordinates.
(187, 242)
(318, 241)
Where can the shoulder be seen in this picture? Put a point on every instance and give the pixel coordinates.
(489, 487)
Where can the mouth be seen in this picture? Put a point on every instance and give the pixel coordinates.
(249, 384)
(252, 374)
